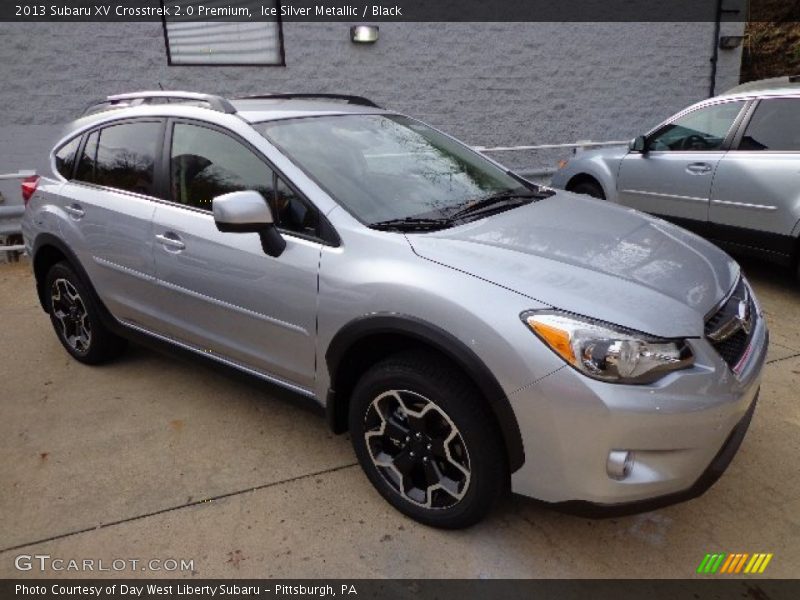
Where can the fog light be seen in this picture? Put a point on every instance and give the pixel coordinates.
(620, 464)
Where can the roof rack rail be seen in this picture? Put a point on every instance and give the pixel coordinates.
(360, 100)
(217, 103)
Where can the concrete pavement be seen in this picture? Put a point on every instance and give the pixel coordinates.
(155, 457)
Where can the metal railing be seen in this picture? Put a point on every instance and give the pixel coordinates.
(579, 145)
(538, 173)
(11, 217)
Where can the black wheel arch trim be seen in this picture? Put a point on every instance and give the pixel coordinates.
(48, 239)
(439, 339)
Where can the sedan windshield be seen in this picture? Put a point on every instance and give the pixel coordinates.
(389, 168)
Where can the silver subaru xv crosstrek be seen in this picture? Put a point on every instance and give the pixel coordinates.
(472, 331)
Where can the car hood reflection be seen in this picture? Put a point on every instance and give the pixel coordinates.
(592, 258)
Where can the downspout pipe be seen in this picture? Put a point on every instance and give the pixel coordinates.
(715, 50)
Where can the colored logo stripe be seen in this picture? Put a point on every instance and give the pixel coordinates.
(732, 558)
(734, 563)
(710, 563)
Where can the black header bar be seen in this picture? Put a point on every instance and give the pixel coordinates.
(378, 11)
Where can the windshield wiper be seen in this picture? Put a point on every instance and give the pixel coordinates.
(412, 224)
(502, 199)
(508, 198)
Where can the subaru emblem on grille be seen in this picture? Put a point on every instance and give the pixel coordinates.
(744, 317)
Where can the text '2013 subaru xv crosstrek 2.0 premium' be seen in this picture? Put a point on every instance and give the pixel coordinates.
(471, 330)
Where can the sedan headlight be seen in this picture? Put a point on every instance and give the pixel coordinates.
(608, 352)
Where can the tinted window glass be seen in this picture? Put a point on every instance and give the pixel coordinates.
(700, 130)
(126, 157)
(122, 157)
(205, 163)
(774, 126)
(85, 170)
(65, 157)
(291, 212)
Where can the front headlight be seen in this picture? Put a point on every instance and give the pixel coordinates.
(608, 352)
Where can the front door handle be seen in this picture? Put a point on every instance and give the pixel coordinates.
(698, 168)
(74, 210)
(171, 240)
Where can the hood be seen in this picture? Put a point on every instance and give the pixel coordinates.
(592, 258)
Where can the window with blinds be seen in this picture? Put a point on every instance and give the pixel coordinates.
(227, 37)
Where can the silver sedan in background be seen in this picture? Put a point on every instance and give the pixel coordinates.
(727, 168)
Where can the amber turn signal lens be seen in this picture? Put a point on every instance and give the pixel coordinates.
(557, 339)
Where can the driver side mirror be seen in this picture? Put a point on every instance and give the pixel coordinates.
(248, 212)
(638, 144)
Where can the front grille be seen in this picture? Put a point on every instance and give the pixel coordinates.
(732, 332)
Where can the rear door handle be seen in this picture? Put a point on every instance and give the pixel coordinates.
(75, 210)
(698, 168)
(171, 240)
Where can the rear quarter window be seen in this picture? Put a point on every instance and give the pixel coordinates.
(65, 158)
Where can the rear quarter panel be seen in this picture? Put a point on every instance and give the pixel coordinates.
(44, 212)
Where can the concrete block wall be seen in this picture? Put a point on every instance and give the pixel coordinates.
(487, 83)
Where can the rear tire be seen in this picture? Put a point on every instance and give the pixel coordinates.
(590, 188)
(75, 315)
(426, 440)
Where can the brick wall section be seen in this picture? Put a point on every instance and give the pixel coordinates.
(489, 84)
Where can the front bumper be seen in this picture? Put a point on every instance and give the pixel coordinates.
(683, 431)
(708, 478)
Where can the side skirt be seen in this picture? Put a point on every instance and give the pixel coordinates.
(220, 359)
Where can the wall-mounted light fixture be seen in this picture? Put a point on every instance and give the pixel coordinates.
(364, 34)
(730, 42)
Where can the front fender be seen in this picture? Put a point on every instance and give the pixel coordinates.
(443, 341)
(601, 165)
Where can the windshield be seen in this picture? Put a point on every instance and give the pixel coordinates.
(388, 167)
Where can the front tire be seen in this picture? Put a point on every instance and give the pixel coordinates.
(75, 315)
(427, 442)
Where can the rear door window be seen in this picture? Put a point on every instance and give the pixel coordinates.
(122, 156)
(775, 126)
